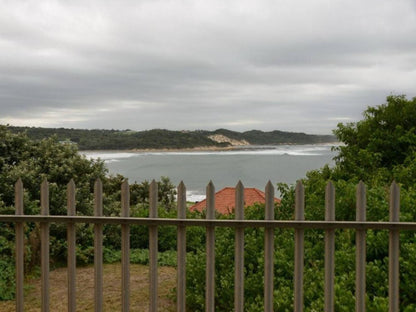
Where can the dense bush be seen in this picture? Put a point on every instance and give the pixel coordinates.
(36, 160)
(377, 150)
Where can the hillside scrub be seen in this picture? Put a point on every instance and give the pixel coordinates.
(34, 161)
(99, 139)
(377, 150)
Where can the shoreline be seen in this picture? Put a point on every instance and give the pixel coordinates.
(199, 148)
(167, 150)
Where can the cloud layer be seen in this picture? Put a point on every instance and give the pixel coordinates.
(288, 65)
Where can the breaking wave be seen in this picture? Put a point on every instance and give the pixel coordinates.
(291, 150)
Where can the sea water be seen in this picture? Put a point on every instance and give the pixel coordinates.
(253, 165)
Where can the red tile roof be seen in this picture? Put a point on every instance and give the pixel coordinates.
(225, 200)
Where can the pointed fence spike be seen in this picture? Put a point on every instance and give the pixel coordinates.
(330, 202)
(181, 200)
(70, 194)
(394, 202)
(44, 197)
(361, 202)
(125, 185)
(269, 193)
(19, 182)
(300, 201)
(210, 200)
(153, 197)
(18, 187)
(239, 201)
(98, 197)
(181, 185)
(125, 199)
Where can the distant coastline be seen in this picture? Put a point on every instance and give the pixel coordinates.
(168, 140)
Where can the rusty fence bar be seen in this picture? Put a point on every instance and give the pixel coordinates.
(181, 222)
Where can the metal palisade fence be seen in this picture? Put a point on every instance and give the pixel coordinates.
(299, 224)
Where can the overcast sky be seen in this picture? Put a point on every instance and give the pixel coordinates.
(288, 65)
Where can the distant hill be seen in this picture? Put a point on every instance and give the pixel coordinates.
(97, 139)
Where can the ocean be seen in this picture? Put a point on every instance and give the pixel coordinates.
(253, 165)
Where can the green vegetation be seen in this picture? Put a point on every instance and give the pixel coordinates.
(377, 150)
(164, 139)
(33, 161)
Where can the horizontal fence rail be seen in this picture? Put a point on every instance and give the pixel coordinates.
(299, 224)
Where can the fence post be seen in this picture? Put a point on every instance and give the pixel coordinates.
(98, 247)
(360, 256)
(394, 245)
(44, 237)
(153, 242)
(125, 247)
(71, 236)
(269, 250)
(19, 247)
(329, 248)
(181, 256)
(239, 250)
(299, 247)
(210, 250)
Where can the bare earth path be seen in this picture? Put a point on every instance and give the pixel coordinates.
(139, 290)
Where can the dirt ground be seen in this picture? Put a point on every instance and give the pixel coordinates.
(139, 290)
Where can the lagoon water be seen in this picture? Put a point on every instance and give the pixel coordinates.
(254, 165)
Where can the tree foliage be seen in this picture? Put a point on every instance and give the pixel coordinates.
(382, 145)
(33, 161)
(165, 139)
(377, 150)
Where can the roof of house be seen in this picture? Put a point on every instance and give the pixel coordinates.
(225, 200)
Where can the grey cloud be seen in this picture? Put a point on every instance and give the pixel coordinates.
(298, 66)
